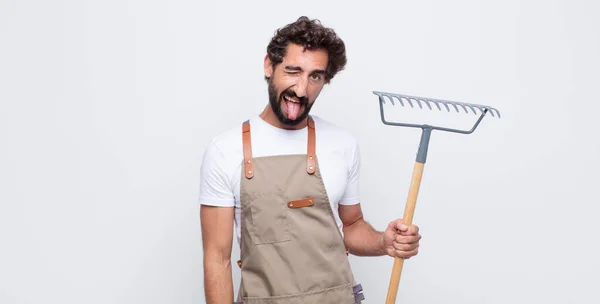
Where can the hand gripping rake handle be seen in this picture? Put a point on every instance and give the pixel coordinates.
(415, 183)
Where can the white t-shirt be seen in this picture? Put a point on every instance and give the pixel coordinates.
(337, 152)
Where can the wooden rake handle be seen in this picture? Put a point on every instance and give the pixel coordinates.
(409, 210)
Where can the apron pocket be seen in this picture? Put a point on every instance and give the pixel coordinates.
(269, 218)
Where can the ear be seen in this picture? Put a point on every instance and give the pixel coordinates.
(268, 66)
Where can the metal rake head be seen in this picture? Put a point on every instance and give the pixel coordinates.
(447, 104)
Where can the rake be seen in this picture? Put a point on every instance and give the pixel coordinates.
(422, 154)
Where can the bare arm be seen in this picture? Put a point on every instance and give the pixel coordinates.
(363, 240)
(359, 236)
(217, 238)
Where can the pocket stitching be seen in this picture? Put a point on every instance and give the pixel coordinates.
(284, 235)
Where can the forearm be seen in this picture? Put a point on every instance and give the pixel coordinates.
(362, 239)
(218, 283)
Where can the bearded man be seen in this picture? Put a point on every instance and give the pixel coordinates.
(286, 184)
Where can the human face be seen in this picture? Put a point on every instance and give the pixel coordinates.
(295, 83)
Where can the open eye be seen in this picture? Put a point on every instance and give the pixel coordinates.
(316, 77)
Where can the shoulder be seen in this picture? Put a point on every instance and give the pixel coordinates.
(223, 154)
(335, 136)
(220, 166)
(227, 144)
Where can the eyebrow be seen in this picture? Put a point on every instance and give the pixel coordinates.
(293, 68)
(297, 68)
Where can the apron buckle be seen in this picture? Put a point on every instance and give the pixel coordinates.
(358, 295)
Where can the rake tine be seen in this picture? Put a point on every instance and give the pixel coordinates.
(487, 110)
(481, 109)
(472, 109)
(419, 103)
(400, 100)
(403, 100)
(436, 104)
(456, 108)
(394, 99)
(383, 96)
(445, 105)
(427, 103)
(491, 110)
(391, 99)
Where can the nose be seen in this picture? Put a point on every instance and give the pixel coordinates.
(301, 87)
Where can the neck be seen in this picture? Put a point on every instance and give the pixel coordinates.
(269, 117)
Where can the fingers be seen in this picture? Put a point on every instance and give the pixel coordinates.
(406, 240)
(402, 239)
(399, 225)
(405, 247)
(406, 254)
(412, 230)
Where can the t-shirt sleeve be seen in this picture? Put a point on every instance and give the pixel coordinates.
(351, 196)
(215, 186)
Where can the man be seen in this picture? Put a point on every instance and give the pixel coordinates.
(289, 182)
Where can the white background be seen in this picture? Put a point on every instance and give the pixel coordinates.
(107, 107)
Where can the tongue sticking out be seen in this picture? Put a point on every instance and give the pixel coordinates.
(292, 109)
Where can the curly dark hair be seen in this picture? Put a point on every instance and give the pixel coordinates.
(312, 35)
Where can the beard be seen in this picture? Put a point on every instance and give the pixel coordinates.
(276, 100)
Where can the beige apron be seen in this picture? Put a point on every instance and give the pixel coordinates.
(292, 251)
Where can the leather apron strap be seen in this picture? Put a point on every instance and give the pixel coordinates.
(311, 153)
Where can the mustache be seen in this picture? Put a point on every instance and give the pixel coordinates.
(303, 100)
